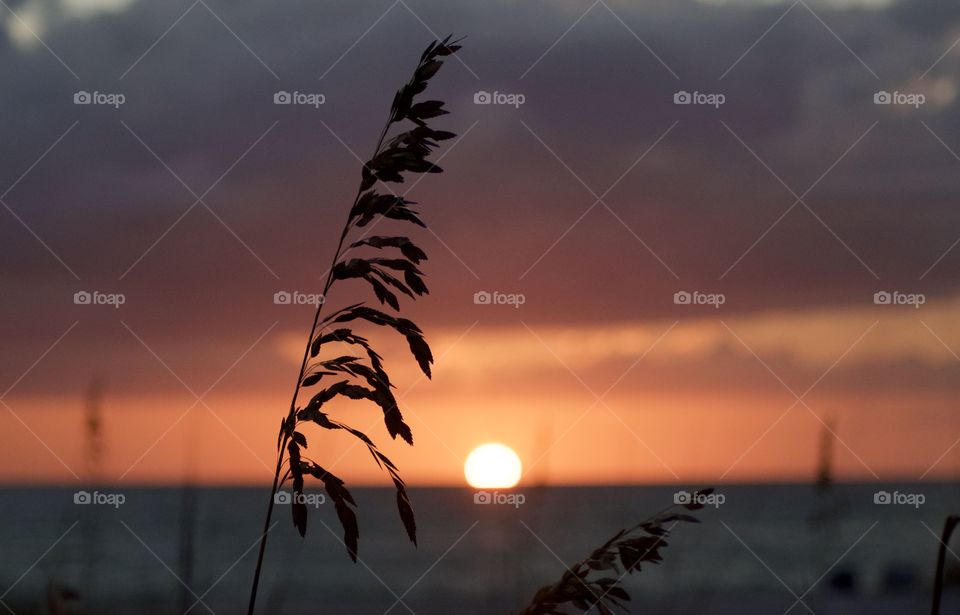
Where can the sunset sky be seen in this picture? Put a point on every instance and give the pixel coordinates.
(597, 200)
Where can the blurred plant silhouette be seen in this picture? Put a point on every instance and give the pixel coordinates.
(585, 587)
(360, 375)
(949, 525)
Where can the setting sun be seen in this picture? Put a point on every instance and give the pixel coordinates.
(492, 466)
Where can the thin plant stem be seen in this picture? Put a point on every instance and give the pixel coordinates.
(263, 539)
(948, 527)
(296, 388)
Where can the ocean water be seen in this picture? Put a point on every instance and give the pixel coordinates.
(758, 551)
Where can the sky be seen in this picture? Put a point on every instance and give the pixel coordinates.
(785, 201)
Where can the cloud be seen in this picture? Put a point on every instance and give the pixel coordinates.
(697, 206)
(29, 21)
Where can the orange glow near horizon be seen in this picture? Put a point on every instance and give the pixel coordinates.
(686, 439)
(700, 409)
